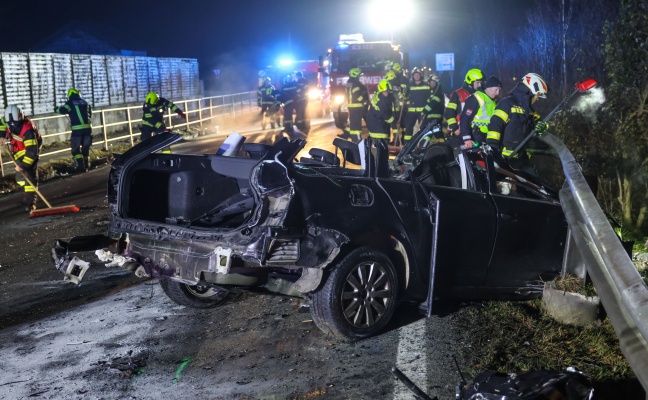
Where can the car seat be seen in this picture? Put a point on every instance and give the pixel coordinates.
(256, 150)
(439, 167)
(350, 151)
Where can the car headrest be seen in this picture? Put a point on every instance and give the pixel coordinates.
(350, 150)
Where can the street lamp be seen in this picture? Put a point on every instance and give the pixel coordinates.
(390, 15)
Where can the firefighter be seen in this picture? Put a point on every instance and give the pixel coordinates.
(80, 114)
(379, 119)
(514, 119)
(381, 114)
(400, 85)
(153, 114)
(302, 120)
(435, 104)
(266, 99)
(25, 142)
(358, 100)
(288, 98)
(477, 112)
(452, 114)
(419, 92)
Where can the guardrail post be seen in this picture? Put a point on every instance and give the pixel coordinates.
(200, 112)
(130, 126)
(186, 104)
(105, 129)
(211, 108)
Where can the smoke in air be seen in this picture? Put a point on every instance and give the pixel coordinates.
(588, 103)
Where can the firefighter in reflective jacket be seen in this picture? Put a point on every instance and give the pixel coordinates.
(80, 114)
(358, 100)
(400, 84)
(153, 114)
(477, 112)
(381, 113)
(379, 119)
(452, 114)
(25, 142)
(302, 120)
(288, 97)
(419, 92)
(435, 104)
(266, 99)
(514, 119)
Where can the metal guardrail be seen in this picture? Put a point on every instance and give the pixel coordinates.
(202, 111)
(622, 290)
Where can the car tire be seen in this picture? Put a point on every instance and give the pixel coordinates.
(196, 296)
(365, 284)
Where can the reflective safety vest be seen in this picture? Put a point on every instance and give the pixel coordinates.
(486, 110)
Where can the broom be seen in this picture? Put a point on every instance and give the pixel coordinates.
(44, 211)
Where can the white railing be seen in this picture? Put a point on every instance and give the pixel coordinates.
(117, 123)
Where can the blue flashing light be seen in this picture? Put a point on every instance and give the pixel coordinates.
(286, 62)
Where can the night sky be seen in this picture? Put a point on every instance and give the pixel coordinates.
(253, 33)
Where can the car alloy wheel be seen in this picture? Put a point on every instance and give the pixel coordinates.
(366, 295)
(358, 297)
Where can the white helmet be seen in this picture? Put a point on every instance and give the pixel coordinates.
(536, 84)
(13, 113)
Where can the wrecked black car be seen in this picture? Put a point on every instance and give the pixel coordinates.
(353, 231)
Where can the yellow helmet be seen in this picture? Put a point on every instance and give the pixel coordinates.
(474, 75)
(72, 91)
(152, 98)
(355, 72)
(397, 67)
(384, 85)
(390, 75)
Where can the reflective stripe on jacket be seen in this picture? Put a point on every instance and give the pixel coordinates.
(512, 120)
(24, 145)
(79, 112)
(153, 114)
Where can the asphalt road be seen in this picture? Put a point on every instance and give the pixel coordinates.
(115, 336)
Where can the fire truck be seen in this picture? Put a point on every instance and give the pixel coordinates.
(318, 95)
(374, 58)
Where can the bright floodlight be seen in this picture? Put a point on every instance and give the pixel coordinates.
(388, 16)
(285, 62)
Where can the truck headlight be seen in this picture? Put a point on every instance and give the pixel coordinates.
(314, 94)
(339, 99)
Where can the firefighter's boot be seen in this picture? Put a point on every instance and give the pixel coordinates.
(80, 165)
(288, 128)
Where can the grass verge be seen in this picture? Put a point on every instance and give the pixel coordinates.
(520, 336)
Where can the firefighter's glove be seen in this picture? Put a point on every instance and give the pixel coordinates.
(182, 115)
(541, 127)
